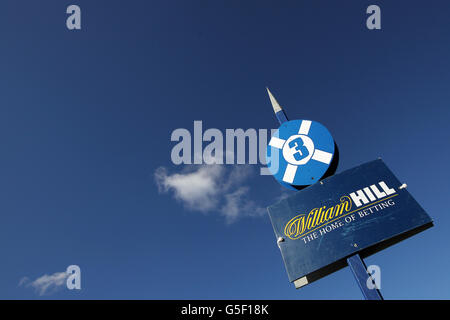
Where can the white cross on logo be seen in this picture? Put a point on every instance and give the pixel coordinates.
(298, 149)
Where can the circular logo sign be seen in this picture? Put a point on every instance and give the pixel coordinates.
(300, 152)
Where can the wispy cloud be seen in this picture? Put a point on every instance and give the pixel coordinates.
(23, 281)
(47, 283)
(208, 188)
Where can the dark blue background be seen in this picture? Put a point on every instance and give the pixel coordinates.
(86, 118)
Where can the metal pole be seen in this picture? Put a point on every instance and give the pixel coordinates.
(359, 270)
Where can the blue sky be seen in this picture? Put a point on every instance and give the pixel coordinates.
(86, 118)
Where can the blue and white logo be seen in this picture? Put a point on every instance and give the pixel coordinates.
(303, 149)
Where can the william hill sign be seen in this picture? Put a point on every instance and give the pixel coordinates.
(317, 218)
(361, 210)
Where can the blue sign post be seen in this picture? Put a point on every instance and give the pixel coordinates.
(359, 270)
(335, 221)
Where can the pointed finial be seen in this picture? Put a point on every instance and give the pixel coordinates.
(276, 106)
(279, 112)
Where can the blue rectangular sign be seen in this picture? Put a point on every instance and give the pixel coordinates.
(361, 210)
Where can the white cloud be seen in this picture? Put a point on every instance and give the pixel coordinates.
(210, 188)
(23, 281)
(238, 203)
(197, 190)
(46, 283)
